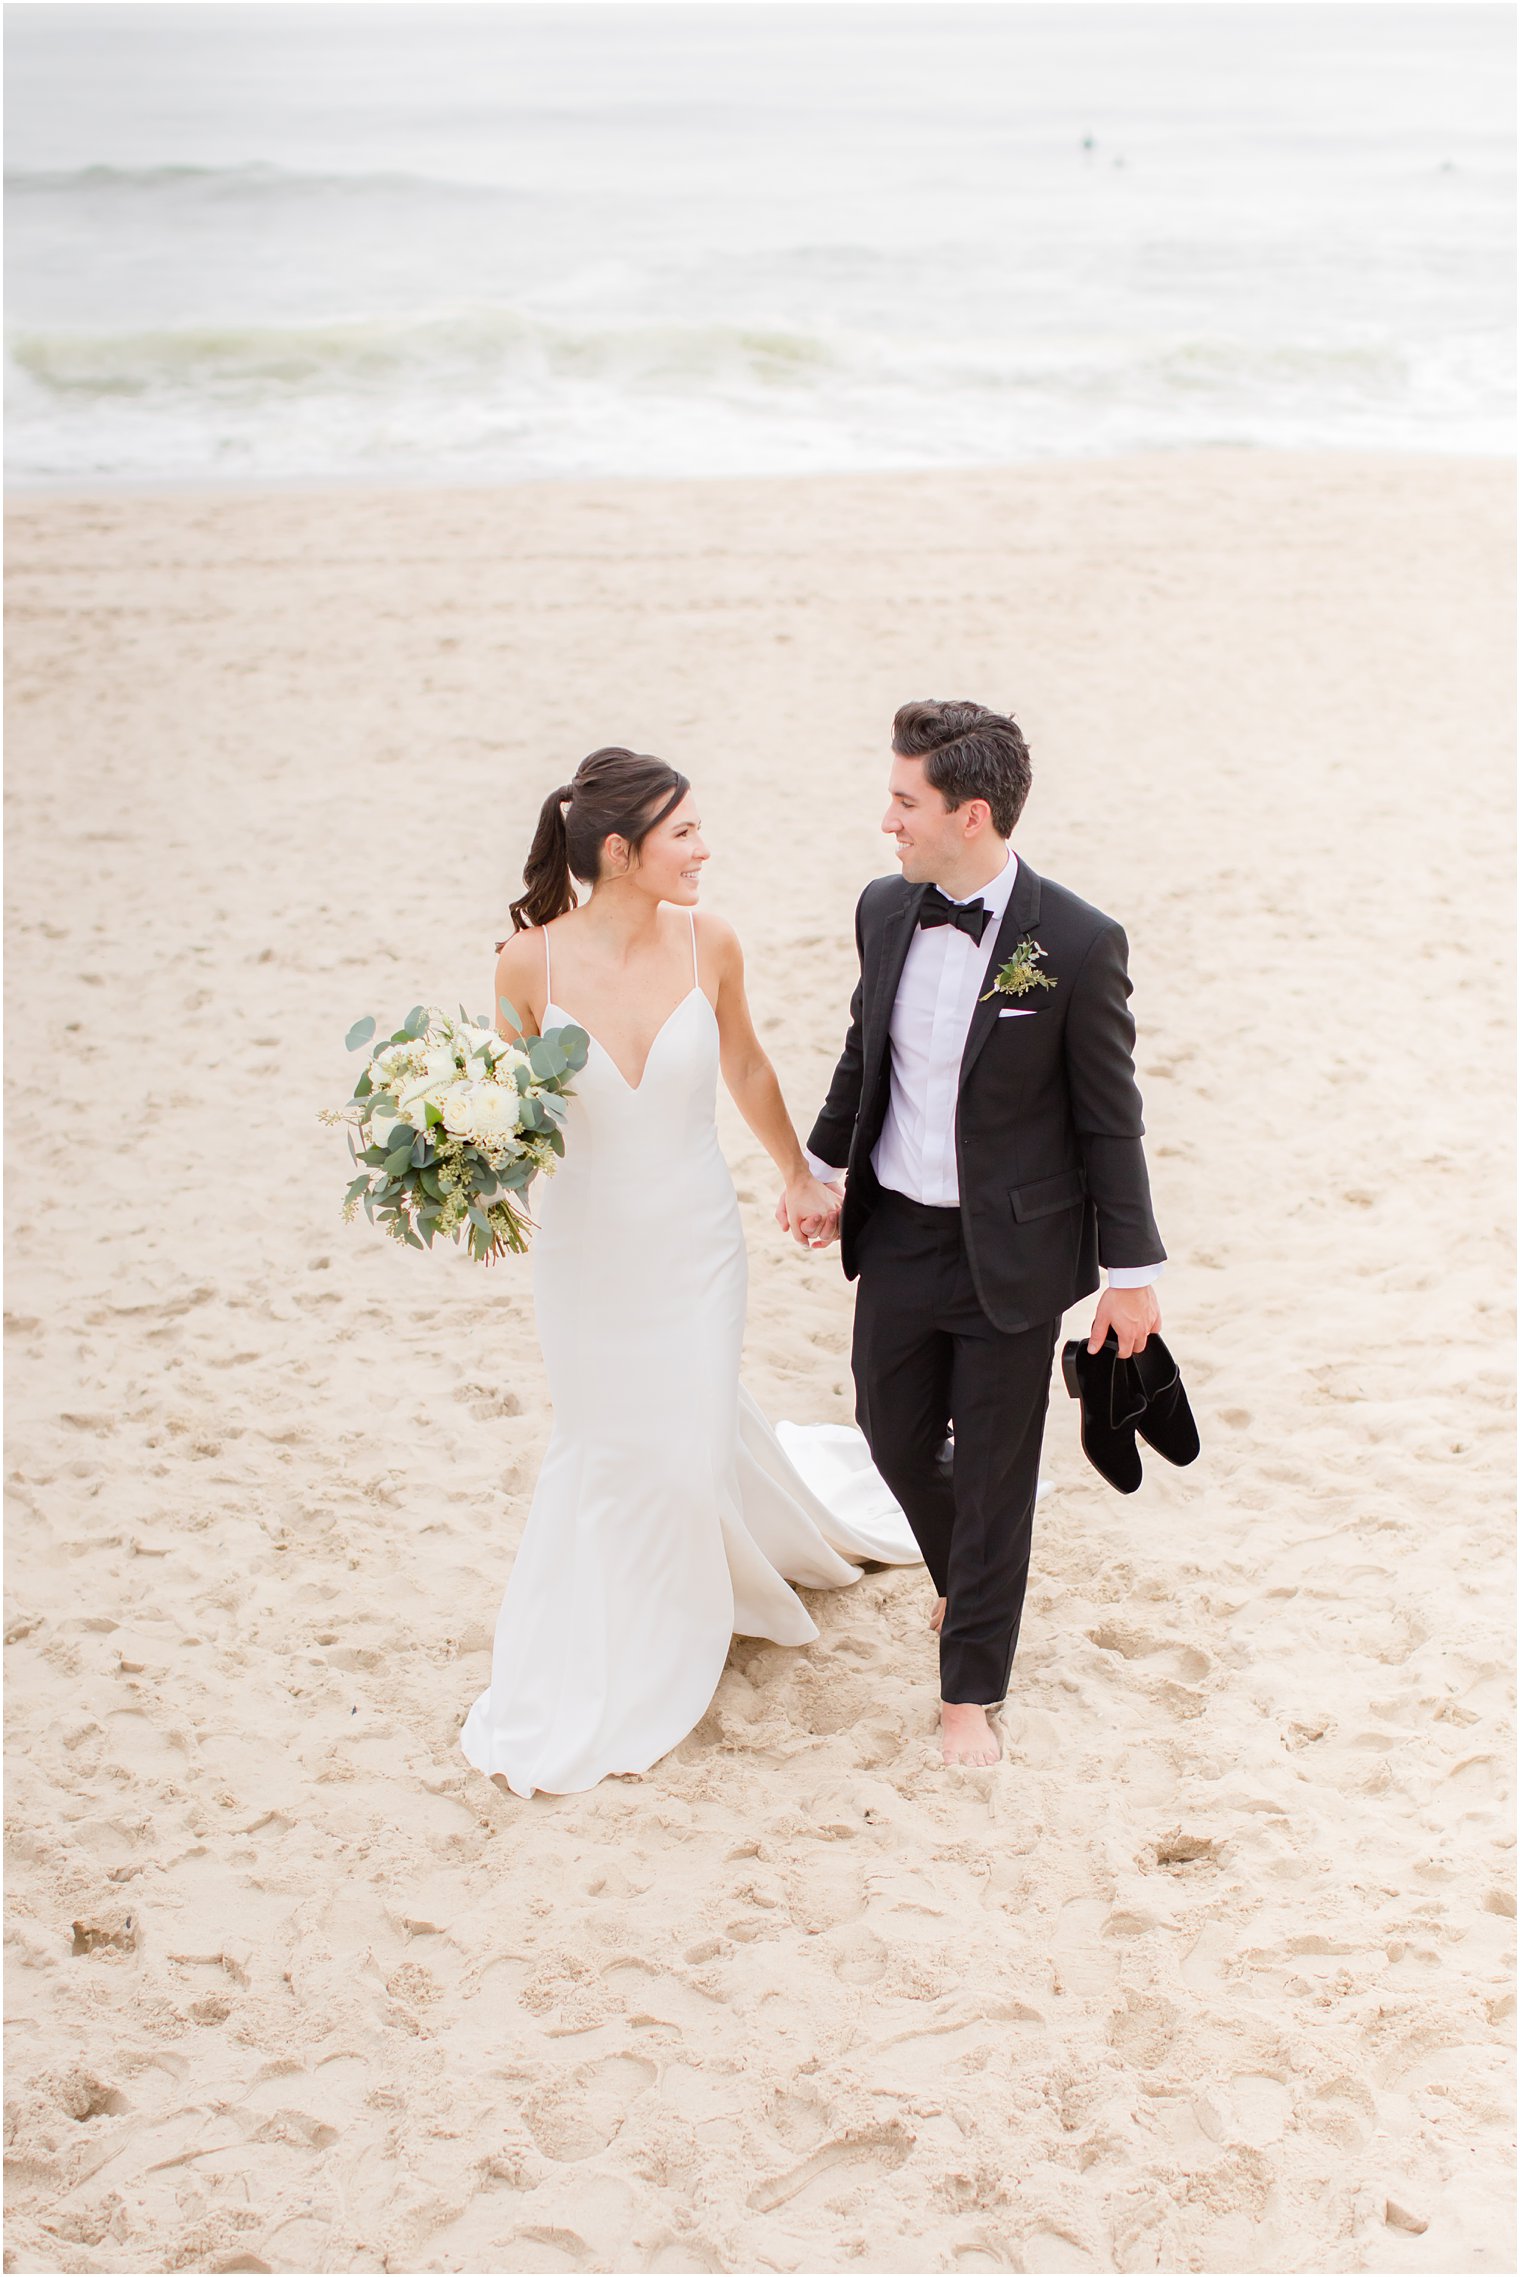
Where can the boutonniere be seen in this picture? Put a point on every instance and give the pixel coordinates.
(1022, 972)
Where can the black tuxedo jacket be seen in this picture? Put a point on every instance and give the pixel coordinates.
(1047, 1130)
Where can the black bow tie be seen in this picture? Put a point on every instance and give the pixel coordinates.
(971, 917)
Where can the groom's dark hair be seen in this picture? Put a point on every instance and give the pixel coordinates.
(968, 753)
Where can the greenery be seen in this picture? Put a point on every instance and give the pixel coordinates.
(449, 1124)
(1021, 972)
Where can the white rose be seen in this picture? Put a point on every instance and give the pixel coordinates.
(414, 1099)
(440, 1064)
(458, 1109)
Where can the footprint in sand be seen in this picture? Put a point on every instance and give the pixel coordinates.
(545, 2250)
(579, 2115)
(85, 2097)
(842, 2164)
(1049, 2251)
(860, 1958)
(677, 2254)
(1345, 2110)
(878, 1745)
(1143, 2031)
(1177, 1852)
(1180, 1661)
(795, 2120)
(1082, 1965)
(1262, 2106)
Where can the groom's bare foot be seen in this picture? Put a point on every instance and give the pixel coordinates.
(937, 1617)
(965, 1734)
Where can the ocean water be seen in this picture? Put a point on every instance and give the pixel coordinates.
(447, 242)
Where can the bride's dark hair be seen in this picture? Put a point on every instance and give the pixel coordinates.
(612, 792)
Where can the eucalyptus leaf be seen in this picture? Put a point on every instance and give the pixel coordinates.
(360, 1032)
(357, 1186)
(434, 1116)
(510, 1009)
(415, 1021)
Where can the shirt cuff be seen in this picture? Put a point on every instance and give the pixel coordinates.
(1133, 1276)
(824, 1172)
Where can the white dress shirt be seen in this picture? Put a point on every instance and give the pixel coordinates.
(943, 975)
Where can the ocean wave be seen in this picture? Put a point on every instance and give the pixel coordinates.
(256, 180)
(364, 355)
(469, 347)
(487, 391)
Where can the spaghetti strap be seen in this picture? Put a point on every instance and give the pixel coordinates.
(696, 975)
(548, 974)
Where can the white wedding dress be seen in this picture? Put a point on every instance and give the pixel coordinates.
(668, 1514)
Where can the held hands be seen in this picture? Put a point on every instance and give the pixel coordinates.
(809, 1212)
(1133, 1314)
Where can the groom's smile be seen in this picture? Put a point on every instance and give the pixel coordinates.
(957, 848)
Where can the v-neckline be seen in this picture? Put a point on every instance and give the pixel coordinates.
(633, 1089)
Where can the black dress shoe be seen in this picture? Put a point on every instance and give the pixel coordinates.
(1166, 1421)
(1118, 1398)
(1111, 1403)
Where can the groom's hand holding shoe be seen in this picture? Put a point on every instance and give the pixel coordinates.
(1132, 1314)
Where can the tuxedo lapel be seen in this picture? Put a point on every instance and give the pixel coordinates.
(1020, 917)
(892, 947)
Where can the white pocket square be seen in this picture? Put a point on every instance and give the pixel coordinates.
(1018, 1012)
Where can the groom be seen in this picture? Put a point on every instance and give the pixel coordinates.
(986, 1110)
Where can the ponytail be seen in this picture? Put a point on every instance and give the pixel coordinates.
(615, 793)
(546, 873)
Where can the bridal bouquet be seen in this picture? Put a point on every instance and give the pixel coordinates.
(453, 1125)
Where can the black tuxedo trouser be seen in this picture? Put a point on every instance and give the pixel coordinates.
(926, 1357)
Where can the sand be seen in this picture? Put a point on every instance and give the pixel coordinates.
(1212, 1973)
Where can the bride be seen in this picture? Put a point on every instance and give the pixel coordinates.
(668, 1514)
